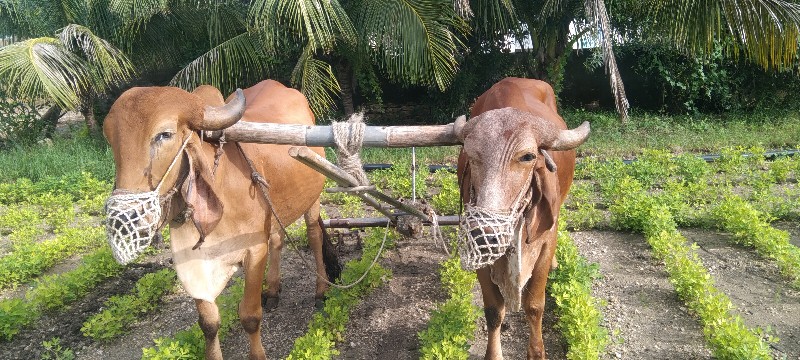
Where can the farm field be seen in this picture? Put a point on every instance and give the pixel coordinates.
(670, 258)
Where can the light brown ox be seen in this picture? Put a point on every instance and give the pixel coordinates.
(511, 124)
(146, 127)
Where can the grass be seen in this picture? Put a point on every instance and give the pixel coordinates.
(65, 157)
(678, 134)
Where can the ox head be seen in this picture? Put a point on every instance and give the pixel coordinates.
(152, 133)
(501, 178)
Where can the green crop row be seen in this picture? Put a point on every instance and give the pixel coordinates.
(579, 313)
(750, 227)
(122, 311)
(190, 343)
(29, 259)
(328, 326)
(452, 324)
(633, 208)
(78, 186)
(54, 292)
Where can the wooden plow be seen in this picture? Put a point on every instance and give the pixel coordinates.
(302, 137)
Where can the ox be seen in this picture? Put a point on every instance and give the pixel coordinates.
(514, 171)
(218, 216)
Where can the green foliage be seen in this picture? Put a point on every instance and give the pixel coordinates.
(190, 343)
(55, 292)
(727, 335)
(122, 311)
(328, 326)
(581, 211)
(54, 351)
(30, 259)
(398, 179)
(751, 228)
(448, 199)
(14, 315)
(452, 324)
(19, 123)
(579, 313)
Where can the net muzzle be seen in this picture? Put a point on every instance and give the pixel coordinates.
(132, 220)
(487, 236)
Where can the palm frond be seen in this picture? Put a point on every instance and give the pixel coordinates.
(316, 81)
(596, 12)
(318, 23)
(237, 61)
(493, 16)
(766, 31)
(412, 40)
(43, 68)
(111, 66)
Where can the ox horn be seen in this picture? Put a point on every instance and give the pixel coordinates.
(570, 139)
(458, 128)
(221, 117)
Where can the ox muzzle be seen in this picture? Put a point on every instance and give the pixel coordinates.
(488, 235)
(134, 219)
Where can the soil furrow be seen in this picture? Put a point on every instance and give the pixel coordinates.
(645, 317)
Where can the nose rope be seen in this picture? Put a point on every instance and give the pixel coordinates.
(132, 219)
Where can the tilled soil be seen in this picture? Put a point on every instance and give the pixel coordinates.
(644, 316)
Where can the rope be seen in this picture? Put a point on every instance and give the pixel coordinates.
(264, 186)
(348, 137)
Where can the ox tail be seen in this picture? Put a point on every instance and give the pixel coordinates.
(330, 257)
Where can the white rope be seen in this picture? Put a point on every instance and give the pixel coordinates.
(348, 137)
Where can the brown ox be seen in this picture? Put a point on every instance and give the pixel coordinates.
(218, 217)
(502, 169)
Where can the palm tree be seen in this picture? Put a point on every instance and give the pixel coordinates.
(411, 41)
(59, 60)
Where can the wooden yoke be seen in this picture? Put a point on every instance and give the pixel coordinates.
(374, 136)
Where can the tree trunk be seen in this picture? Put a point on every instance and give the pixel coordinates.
(50, 120)
(88, 114)
(344, 74)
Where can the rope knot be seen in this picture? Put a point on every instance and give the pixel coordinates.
(349, 136)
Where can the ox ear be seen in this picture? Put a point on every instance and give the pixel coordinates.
(543, 211)
(199, 194)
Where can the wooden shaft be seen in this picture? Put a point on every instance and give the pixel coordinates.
(374, 136)
(381, 222)
(325, 167)
(341, 177)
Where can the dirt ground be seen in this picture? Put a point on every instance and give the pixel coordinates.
(644, 316)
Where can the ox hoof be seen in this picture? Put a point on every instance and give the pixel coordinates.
(269, 303)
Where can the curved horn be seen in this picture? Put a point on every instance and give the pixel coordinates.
(221, 117)
(570, 139)
(458, 127)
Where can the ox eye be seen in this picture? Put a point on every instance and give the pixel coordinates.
(163, 136)
(527, 157)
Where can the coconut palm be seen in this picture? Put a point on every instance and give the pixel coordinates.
(411, 41)
(58, 60)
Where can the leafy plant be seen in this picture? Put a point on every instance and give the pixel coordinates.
(448, 199)
(579, 313)
(452, 324)
(122, 311)
(54, 351)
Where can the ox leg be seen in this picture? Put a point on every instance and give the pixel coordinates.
(494, 309)
(271, 295)
(209, 321)
(533, 301)
(314, 233)
(250, 312)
